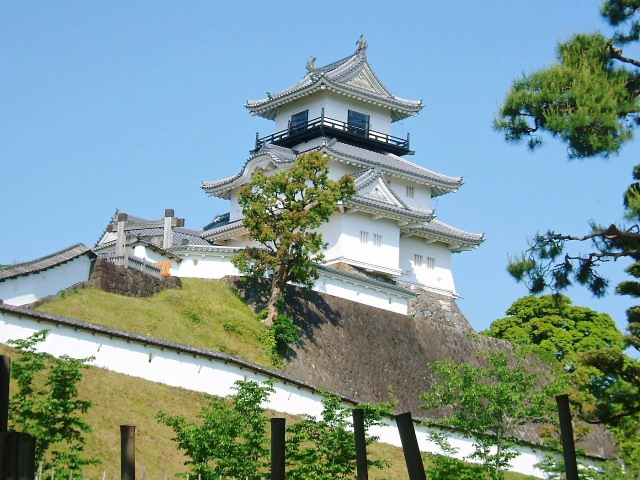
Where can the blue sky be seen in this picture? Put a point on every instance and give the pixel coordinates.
(130, 105)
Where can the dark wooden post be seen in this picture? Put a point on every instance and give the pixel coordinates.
(361, 444)
(17, 456)
(566, 434)
(277, 448)
(127, 452)
(5, 375)
(412, 456)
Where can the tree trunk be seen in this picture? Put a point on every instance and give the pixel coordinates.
(278, 283)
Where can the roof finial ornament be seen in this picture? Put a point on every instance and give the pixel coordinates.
(362, 45)
(310, 65)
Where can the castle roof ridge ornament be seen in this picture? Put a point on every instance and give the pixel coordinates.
(310, 64)
(362, 45)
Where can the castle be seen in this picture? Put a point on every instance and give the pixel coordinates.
(384, 246)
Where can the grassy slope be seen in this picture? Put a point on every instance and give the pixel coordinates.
(204, 313)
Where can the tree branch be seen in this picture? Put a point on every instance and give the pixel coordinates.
(616, 53)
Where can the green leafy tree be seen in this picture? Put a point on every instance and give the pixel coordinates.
(230, 439)
(46, 405)
(324, 449)
(577, 337)
(282, 212)
(588, 98)
(489, 403)
(558, 327)
(553, 263)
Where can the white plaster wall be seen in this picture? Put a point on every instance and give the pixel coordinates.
(348, 243)
(337, 170)
(335, 107)
(206, 265)
(421, 193)
(357, 293)
(29, 288)
(202, 373)
(235, 210)
(440, 278)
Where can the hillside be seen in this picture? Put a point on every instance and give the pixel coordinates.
(360, 352)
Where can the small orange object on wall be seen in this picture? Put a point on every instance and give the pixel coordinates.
(165, 268)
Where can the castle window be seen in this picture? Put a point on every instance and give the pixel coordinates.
(298, 121)
(358, 123)
(364, 236)
(377, 240)
(431, 263)
(409, 191)
(417, 260)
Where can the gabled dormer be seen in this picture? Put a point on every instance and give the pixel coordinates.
(343, 100)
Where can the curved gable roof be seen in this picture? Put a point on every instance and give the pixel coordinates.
(394, 165)
(352, 76)
(268, 153)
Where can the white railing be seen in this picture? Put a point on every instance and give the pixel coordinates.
(136, 263)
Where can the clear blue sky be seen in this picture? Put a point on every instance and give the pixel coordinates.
(130, 105)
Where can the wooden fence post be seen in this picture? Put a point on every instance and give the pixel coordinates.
(566, 434)
(277, 448)
(5, 375)
(412, 456)
(361, 444)
(127, 452)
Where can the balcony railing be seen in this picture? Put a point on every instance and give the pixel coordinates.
(322, 125)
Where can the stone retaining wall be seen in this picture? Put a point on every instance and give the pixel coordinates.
(125, 281)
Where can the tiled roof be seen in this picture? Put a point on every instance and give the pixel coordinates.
(279, 155)
(202, 248)
(227, 228)
(394, 165)
(405, 213)
(436, 228)
(47, 262)
(351, 76)
(344, 152)
(218, 220)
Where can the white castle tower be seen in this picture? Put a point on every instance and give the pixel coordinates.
(387, 237)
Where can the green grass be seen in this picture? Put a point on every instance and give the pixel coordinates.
(205, 313)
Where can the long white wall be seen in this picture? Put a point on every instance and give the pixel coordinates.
(201, 370)
(29, 288)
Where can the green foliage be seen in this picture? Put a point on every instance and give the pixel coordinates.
(285, 334)
(324, 449)
(588, 99)
(443, 467)
(282, 212)
(586, 343)
(46, 405)
(613, 378)
(230, 439)
(489, 403)
(557, 327)
(589, 347)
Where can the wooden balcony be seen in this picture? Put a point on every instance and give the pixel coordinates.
(329, 127)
